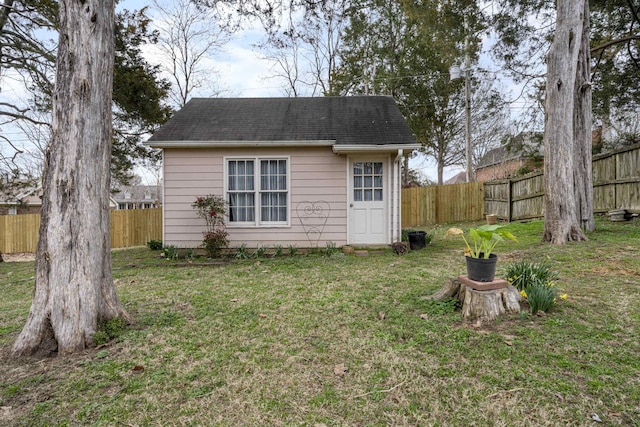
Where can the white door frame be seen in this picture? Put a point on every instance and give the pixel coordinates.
(353, 237)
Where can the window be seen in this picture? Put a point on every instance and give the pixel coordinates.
(367, 181)
(13, 210)
(257, 191)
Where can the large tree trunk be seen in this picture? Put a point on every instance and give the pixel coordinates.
(583, 145)
(564, 103)
(74, 288)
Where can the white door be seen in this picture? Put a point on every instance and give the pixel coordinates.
(367, 202)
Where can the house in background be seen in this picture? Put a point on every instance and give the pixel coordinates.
(459, 178)
(138, 197)
(525, 155)
(294, 171)
(24, 198)
(499, 163)
(28, 200)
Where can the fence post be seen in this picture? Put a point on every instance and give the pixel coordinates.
(509, 200)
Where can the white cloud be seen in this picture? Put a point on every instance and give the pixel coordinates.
(244, 71)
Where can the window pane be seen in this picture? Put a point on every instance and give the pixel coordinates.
(357, 168)
(357, 195)
(377, 168)
(377, 195)
(241, 168)
(368, 182)
(232, 175)
(368, 195)
(377, 181)
(357, 182)
(368, 168)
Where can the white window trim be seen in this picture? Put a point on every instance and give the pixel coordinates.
(256, 186)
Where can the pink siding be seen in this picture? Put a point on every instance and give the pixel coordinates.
(316, 174)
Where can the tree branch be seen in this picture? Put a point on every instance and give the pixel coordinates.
(614, 42)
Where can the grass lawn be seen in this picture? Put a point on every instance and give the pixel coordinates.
(342, 340)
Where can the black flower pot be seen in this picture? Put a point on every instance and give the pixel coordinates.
(417, 240)
(481, 269)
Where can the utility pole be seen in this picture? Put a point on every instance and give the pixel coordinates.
(467, 104)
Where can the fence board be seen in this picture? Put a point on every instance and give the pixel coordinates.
(19, 233)
(442, 204)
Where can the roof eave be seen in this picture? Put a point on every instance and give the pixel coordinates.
(239, 144)
(347, 149)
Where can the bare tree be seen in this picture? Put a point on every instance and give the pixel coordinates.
(567, 166)
(74, 290)
(305, 51)
(188, 39)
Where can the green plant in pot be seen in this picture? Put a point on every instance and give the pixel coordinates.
(481, 261)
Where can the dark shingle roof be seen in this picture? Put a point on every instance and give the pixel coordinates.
(357, 120)
(496, 156)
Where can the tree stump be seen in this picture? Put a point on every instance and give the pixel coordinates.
(481, 305)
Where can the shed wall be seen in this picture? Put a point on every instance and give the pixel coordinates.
(317, 176)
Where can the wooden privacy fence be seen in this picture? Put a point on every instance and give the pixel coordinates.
(616, 180)
(19, 233)
(443, 203)
(516, 199)
(616, 185)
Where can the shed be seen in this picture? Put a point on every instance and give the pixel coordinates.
(294, 171)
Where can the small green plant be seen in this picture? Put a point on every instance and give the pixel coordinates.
(242, 252)
(293, 250)
(523, 274)
(170, 252)
(190, 254)
(484, 239)
(428, 237)
(536, 283)
(109, 330)
(330, 249)
(541, 297)
(261, 251)
(154, 245)
(441, 307)
(277, 251)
